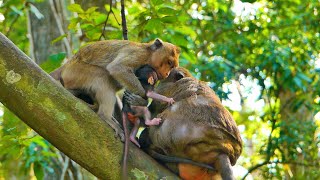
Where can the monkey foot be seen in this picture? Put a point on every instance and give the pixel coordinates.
(134, 140)
(153, 122)
(116, 127)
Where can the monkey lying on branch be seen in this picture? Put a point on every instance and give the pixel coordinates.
(102, 68)
(196, 128)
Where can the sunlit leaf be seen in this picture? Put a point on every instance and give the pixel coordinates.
(75, 8)
(59, 38)
(91, 10)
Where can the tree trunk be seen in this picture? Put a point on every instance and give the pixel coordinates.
(64, 121)
(43, 31)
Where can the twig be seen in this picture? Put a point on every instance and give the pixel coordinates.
(276, 162)
(124, 22)
(105, 23)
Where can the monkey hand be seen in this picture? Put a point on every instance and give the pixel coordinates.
(134, 99)
(170, 101)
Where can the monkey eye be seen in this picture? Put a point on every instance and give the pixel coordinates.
(170, 64)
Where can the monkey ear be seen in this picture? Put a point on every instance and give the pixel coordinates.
(156, 44)
(179, 76)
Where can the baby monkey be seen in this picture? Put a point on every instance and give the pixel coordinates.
(148, 78)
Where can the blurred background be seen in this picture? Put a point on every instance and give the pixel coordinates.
(262, 58)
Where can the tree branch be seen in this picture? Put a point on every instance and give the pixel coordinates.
(63, 120)
(124, 22)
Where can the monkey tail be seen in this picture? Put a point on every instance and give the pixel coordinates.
(224, 167)
(126, 147)
(171, 159)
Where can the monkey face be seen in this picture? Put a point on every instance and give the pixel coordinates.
(164, 58)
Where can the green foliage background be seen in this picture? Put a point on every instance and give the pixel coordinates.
(261, 57)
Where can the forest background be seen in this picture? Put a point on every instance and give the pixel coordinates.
(261, 57)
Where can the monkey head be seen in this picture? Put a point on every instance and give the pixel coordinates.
(164, 58)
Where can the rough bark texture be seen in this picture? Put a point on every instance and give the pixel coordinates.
(63, 120)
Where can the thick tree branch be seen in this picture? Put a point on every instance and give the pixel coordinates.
(63, 120)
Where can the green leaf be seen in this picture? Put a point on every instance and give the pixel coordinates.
(91, 10)
(75, 8)
(100, 19)
(38, 171)
(167, 11)
(73, 23)
(169, 19)
(298, 82)
(304, 77)
(17, 11)
(57, 57)
(156, 2)
(54, 61)
(154, 25)
(59, 38)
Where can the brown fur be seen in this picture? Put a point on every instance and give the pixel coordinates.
(102, 68)
(196, 126)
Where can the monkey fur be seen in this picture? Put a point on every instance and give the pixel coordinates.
(196, 127)
(102, 68)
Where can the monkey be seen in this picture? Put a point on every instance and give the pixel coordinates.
(196, 128)
(102, 68)
(148, 78)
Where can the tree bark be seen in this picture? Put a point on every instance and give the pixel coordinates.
(64, 121)
(42, 32)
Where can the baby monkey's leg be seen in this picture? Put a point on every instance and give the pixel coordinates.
(134, 132)
(144, 111)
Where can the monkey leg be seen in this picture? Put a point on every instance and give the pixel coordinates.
(106, 101)
(144, 111)
(97, 82)
(134, 132)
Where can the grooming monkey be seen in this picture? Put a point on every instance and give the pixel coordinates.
(148, 78)
(102, 68)
(196, 128)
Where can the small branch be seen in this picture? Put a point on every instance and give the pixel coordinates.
(124, 22)
(65, 167)
(105, 23)
(276, 162)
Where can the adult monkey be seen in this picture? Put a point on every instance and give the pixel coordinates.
(102, 68)
(196, 127)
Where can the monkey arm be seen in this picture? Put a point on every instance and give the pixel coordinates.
(122, 70)
(134, 99)
(158, 97)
